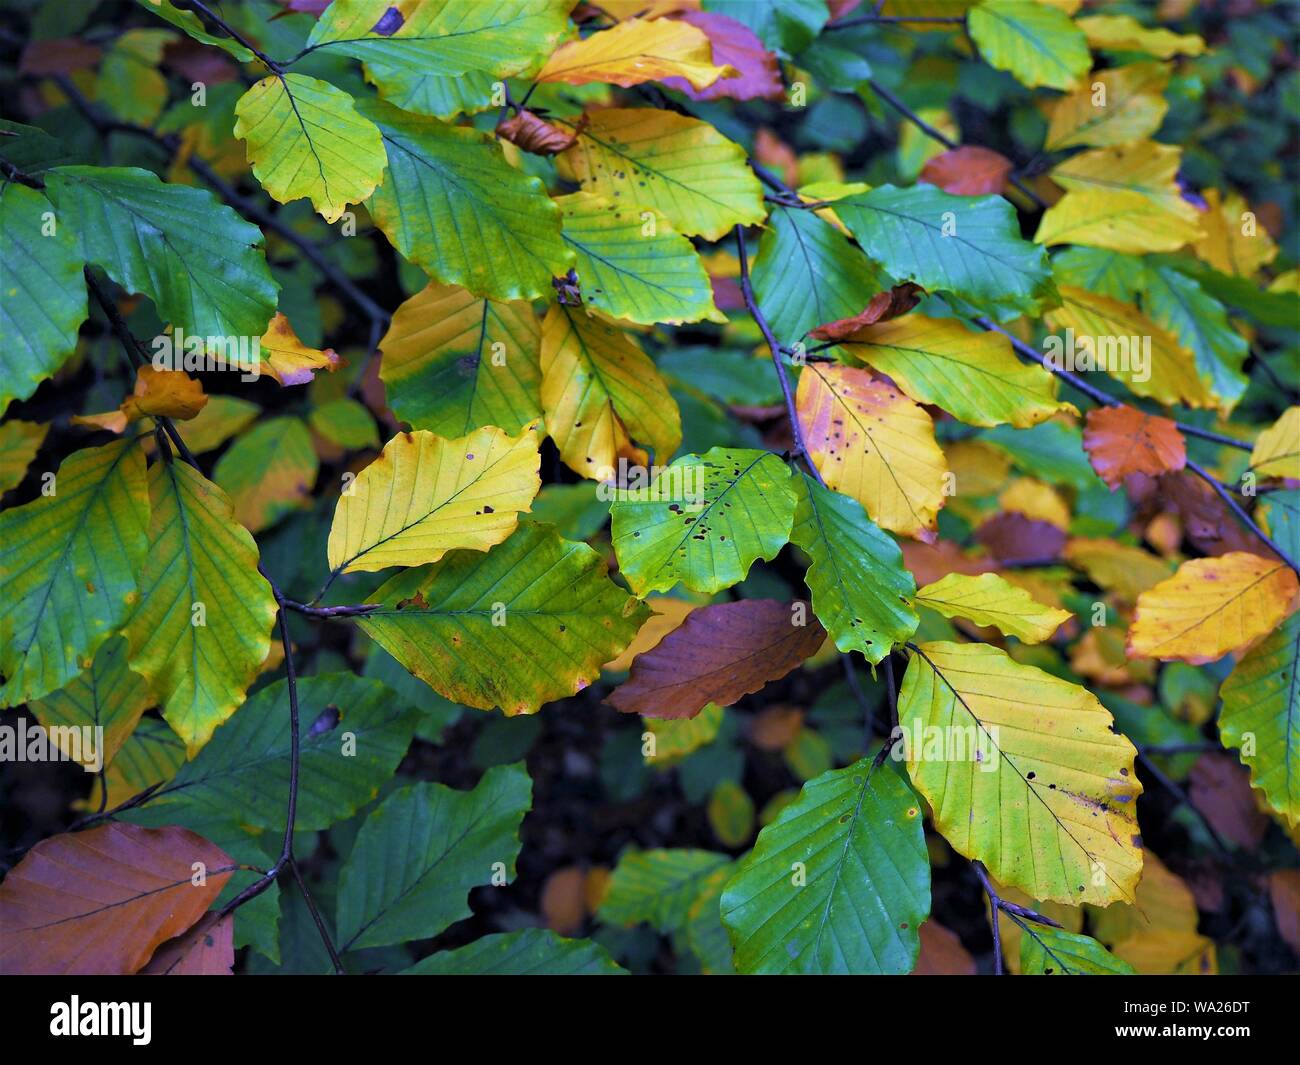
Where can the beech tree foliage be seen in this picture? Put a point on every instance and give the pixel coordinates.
(725, 486)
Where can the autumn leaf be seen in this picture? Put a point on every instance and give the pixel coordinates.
(716, 655)
(1123, 440)
(1277, 451)
(637, 51)
(1211, 606)
(990, 600)
(968, 171)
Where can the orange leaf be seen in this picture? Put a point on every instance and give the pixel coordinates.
(99, 902)
(968, 171)
(207, 949)
(536, 135)
(718, 654)
(1124, 440)
(288, 359)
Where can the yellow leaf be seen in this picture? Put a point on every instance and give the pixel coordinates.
(305, 138)
(1167, 952)
(426, 495)
(158, 393)
(663, 162)
(637, 51)
(1123, 33)
(1022, 772)
(1211, 606)
(669, 612)
(972, 375)
(1135, 350)
(601, 392)
(874, 444)
(990, 600)
(288, 359)
(1118, 220)
(1114, 106)
(1146, 167)
(1277, 451)
(1235, 241)
(1035, 500)
(1115, 567)
(1162, 902)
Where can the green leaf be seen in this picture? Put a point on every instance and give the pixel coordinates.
(107, 695)
(461, 625)
(305, 138)
(1261, 700)
(44, 292)
(68, 564)
(1200, 323)
(972, 375)
(418, 855)
(532, 952)
(353, 733)
(202, 629)
(806, 274)
(452, 205)
(268, 472)
(634, 266)
(786, 28)
(859, 585)
(19, 443)
(1048, 951)
(438, 40)
(195, 258)
(189, 22)
(1038, 44)
(736, 506)
(838, 883)
(967, 245)
(657, 886)
(346, 423)
(454, 362)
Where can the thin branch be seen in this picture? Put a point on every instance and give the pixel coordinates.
(12, 173)
(331, 612)
(747, 290)
(1241, 514)
(238, 37)
(319, 922)
(946, 141)
(997, 904)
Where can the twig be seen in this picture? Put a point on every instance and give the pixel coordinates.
(946, 141)
(1241, 514)
(747, 290)
(997, 904)
(330, 612)
(238, 37)
(326, 938)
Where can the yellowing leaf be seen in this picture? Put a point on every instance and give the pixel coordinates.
(288, 359)
(874, 444)
(1023, 773)
(19, 442)
(426, 495)
(1035, 500)
(1235, 241)
(668, 613)
(1277, 451)
(454, 362)
(268, 472)
(660, 161)
(160, 393)
(973, 376)
(1035, 43)
(601, 392)
(1116, 106)
(1211, 606)
(1120, 334)
(1127, 571)
(305, 138)
(1147, 167)
(990, 600)
(1117, 219)
(634, 52)
(203, 626)
(1123, 33)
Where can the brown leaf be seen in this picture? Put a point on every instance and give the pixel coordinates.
(101, 901)
(969, 171)
(718, 654)
(62, 55)
(776, 155)
(1207, 521)
(536, 135)
(1014, 539)
(564, 901)
(1284, 891)
(942, 953)
(883, 305)
(1219, 787)
(735, 45)
(1123, 440)
(207, 949)
(929, 562)
(774, 728)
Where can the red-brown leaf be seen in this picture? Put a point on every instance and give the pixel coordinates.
(942, 953)
(100, 902)
(718, 654)
(883, 305)
(969, 171)
(207, 949)
(736, 45)
(1123, 440)
(1219, 786)
(536, 135)
(1014, 539)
